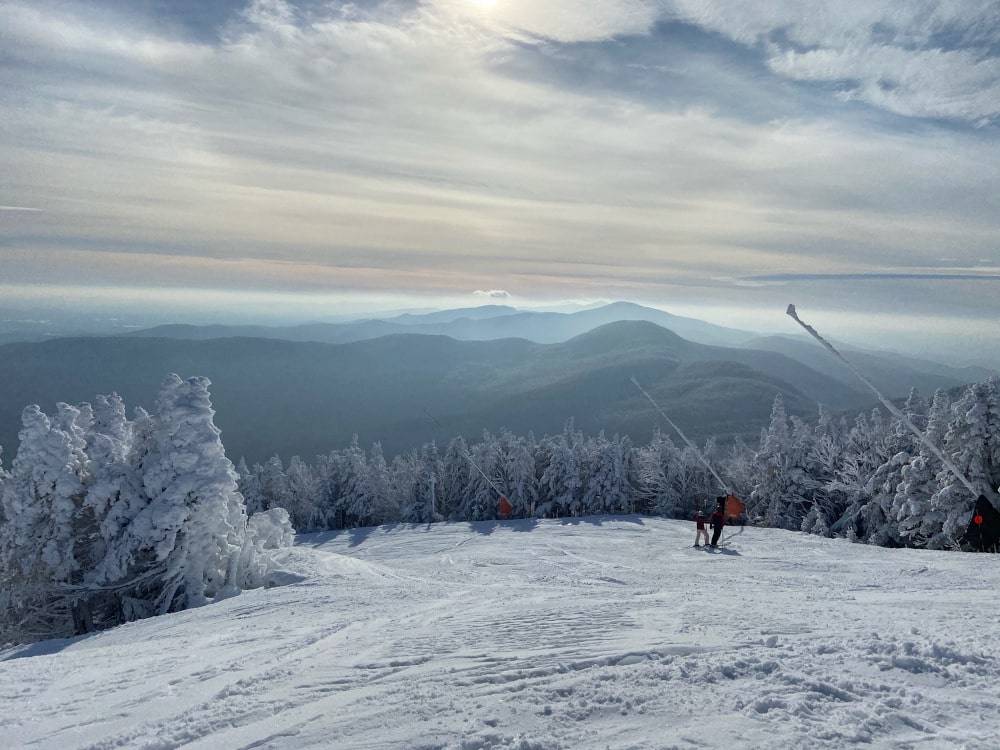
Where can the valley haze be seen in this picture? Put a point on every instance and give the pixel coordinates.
(307, 389)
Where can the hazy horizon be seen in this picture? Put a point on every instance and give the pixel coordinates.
(718, 160)
(109, 311)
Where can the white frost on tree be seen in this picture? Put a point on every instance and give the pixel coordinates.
(972, 443)
(194, 524)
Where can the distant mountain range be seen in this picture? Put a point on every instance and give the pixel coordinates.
(468, 324)
(306, 397)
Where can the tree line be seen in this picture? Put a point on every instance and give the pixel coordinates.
(869, 479)
(107, 519)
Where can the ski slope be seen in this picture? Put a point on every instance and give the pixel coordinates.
(555, 634)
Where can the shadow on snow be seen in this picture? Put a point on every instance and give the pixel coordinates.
(360, 534)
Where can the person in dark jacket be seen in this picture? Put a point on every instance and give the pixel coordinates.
(717, 520)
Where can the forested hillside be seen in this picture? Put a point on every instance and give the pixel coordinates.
(304, 398)
(107, 519)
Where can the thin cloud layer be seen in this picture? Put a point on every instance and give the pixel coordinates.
(637, 149)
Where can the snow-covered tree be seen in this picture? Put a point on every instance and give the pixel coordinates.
(300, 497)
(784, 491)
(852, 489)
(516, 473)
(267, 530)
(193, 527)
(911, 505)
(3, 478)
(365, 486)
(609, 478)
(454, 484)
(414, 479)
(479, 501)
(972, 443)
(43, 506)
(331, 477)
(561, 485)
(249, 485)
(655, 466)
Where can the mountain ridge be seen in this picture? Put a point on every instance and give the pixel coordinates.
(306, 398)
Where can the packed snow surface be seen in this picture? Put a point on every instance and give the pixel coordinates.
(575, 634)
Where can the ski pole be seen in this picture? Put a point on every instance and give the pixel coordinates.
(885, 402)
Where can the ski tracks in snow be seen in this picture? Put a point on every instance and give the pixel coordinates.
(569, 636)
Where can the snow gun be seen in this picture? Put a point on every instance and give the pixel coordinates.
(885, 402)
(733, 508)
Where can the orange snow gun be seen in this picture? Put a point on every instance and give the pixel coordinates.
(504, 508)
(734, 508)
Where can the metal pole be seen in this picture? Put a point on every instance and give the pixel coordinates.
(690, 445)
(466, 454)
(885, 402)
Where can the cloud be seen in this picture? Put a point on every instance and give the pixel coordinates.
(492, 293)
(910, 57)
(918, 276)
(566, 21)
(431, 146)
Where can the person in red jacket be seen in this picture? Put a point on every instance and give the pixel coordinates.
(699, 520)
(717, 521)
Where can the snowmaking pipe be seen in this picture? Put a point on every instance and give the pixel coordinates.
(684, 437)
(885, 402)
(466, 454)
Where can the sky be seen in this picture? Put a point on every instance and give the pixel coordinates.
(580, 634)
(712, 158)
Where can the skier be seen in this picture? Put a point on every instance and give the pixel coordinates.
(717, 521)
(699, 519)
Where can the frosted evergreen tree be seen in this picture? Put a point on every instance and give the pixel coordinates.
(784, 490)
(915, 521)
(911, 508)
(479, 500)
(815, 522)
(273, 484)
(655, 466)
(972, 442)
(3, 478)
(266, 530)
(194, 524)
(608, 485)
(694, 485)
(125, 565)
(455, 480)
(107, 445)
(43, 506)
(365, 486)
(561, 484)
(823, 458)
(414, 479)
(300, 497)
(515, 473)
(900, 447)
(331, 480)
(386, 507)
(938, 417)
(249, 485)
(358, 508)
(740, 468)
(853, 487)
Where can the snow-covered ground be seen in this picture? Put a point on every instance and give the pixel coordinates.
(591, 633)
